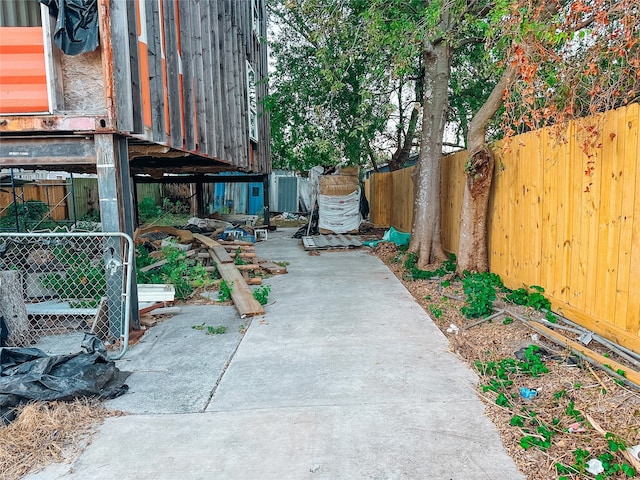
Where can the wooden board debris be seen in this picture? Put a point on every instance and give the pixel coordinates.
(211, 244)
(273, 268)
(241, 294)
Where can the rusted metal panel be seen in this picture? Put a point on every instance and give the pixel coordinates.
(40, 151)
(55, 123)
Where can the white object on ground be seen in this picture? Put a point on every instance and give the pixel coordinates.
(453, 329)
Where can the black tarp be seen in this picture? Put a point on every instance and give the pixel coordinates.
(28, 374)
(76, 29)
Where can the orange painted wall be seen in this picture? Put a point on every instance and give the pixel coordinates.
(23, 80)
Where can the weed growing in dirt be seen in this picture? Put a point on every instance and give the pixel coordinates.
(437, 312)
(183, 273)
(480, 289)
(224, 291)
(529, 296)
(261, 294)
(611, 466)
(210, 330)
(502, 378)
(82, 280)
(238, 260)
(411, 261)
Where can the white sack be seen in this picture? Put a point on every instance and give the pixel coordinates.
(340, 214)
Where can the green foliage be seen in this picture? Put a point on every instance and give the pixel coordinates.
(32, 215)
(612, 464)
(224, 291)
(183, 273)
(148, 210)
(219, 330)
(210, 330)
(330, 96)
(411, 261)
(261, 294)
(83, 281)
(480, 289)
(529, 296)
(91, 216)
(237, 259)
(437, 312)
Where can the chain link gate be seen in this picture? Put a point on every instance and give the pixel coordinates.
(54, 284)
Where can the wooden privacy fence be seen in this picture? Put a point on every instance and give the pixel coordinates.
(49, 192)
(562, 216)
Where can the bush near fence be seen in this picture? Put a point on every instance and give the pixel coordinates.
(561, 216)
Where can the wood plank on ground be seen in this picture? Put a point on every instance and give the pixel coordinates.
(273, 268)
(241, 294)
(211, 244)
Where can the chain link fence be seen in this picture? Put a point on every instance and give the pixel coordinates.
(57, 285)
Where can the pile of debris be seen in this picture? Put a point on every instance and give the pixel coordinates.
(234, 259)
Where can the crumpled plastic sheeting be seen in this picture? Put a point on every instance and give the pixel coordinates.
(76, 29)
(28, 374)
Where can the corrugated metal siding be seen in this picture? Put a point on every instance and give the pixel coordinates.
(23, 80)
(287, 194)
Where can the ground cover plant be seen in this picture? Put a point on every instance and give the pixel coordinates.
(558, 417)
(185, 274)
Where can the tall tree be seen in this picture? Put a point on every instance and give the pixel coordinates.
(551, 61)
(564, 59)
(330, 97)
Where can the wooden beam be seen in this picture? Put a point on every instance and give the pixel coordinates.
(185, 236)
(155, 70)
(184, 11)
(198, 70)
(240, 292)
(121, 66)
(221, 253)
(173, 74)
(160, 263)
(134, 62)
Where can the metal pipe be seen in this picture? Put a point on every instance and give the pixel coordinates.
(15, 201)
(619, 349)
(593, 362)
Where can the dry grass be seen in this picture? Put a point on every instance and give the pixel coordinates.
(47, 432)
(601, 401)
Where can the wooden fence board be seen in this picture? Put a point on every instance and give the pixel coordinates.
(560, 216)
(579, 249)
(633, 315)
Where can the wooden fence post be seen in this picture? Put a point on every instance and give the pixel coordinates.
(12, 307)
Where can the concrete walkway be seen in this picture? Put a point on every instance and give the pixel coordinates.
(345, 377)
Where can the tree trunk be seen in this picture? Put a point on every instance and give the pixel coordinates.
(473, 253)
(401, 156)
(425, 234)
(12, 307)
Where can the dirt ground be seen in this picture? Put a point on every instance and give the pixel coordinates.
(580, 413)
